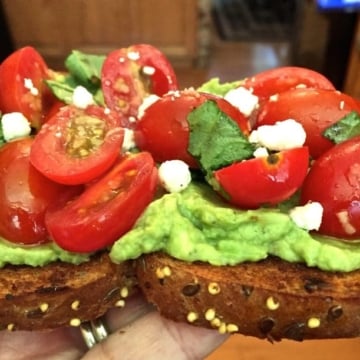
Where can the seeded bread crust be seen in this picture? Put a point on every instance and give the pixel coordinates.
(270, 299)
(62, 294)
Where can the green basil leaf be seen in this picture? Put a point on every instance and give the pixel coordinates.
(213, 86)
(215, 139)
(344, 129)
(85, 68)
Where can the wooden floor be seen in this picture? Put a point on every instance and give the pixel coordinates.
(245, 348)
(232, 61)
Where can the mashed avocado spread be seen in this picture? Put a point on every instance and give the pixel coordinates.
(195, 225)
(39, 255)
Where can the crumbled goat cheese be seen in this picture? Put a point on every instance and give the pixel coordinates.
(133, 55)
(148, 101)
(261, 152)
(308, 216)
(15, 125)
(242, 99)
(82, 98)
(30, 86)
(174, 175)
(129, 140)
(148, 70)
(283, 135)
(344, 219)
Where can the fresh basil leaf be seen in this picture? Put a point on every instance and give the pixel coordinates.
(85, 68)
(344, 129)
(213, 86)
(215, 139)
(63, 88)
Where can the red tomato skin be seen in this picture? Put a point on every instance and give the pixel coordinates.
(124, 83)
(25, 63)
(108, 208)
(315, 109)
(25, 195)
(49, 155)
(163, 130)
(334, 181)
(277, 80)
(256, 182)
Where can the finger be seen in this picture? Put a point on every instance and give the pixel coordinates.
(63, 344)
(134, 308)
(153, 337)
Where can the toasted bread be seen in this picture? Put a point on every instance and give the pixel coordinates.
(270, 299)
(62, 294)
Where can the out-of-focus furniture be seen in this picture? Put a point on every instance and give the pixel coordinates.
(178, 27)
(352, 80)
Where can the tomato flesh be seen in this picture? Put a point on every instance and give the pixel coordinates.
(77, 146)
(22, 74)
(130, 74)
(25, 195)
(334, 181)
(107, 209)
(315, 109)
(264, 181)
(163, 130)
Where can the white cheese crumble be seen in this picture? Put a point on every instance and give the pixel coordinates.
(261, 152)
(15, 125)
(283, 135)
(30, 86)
(174, 175)
(242, 99)
(308, 216)
(344, 219)
(133, 55)
(82, 98)
(148, 101)
(129, 140)
(148, 70)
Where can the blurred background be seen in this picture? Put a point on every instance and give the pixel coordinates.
(230, 39)
(203, 38)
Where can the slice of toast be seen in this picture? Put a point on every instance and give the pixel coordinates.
(62, 294)
(270, 299)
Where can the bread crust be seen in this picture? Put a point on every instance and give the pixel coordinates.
(62, 294)
(270, 299)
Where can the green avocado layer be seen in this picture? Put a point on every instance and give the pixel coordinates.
(195, 225)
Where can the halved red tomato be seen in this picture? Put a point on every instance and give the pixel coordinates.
(25, 195)
(108, 208)
(77, 145)
(22, 80)
(130, 74)
(334, 181)
(163, 130)
(277, 80)
(267, 180)
(315, 109)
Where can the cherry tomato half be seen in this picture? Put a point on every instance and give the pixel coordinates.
(163, 130)
(261, 181)
(275, 81)
(25, 195)
(22, 76)
(108, 208)
(315, 109)
(130, 74)
(77, 145)
(334, 181)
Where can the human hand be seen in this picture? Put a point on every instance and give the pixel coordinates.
(137, 332)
